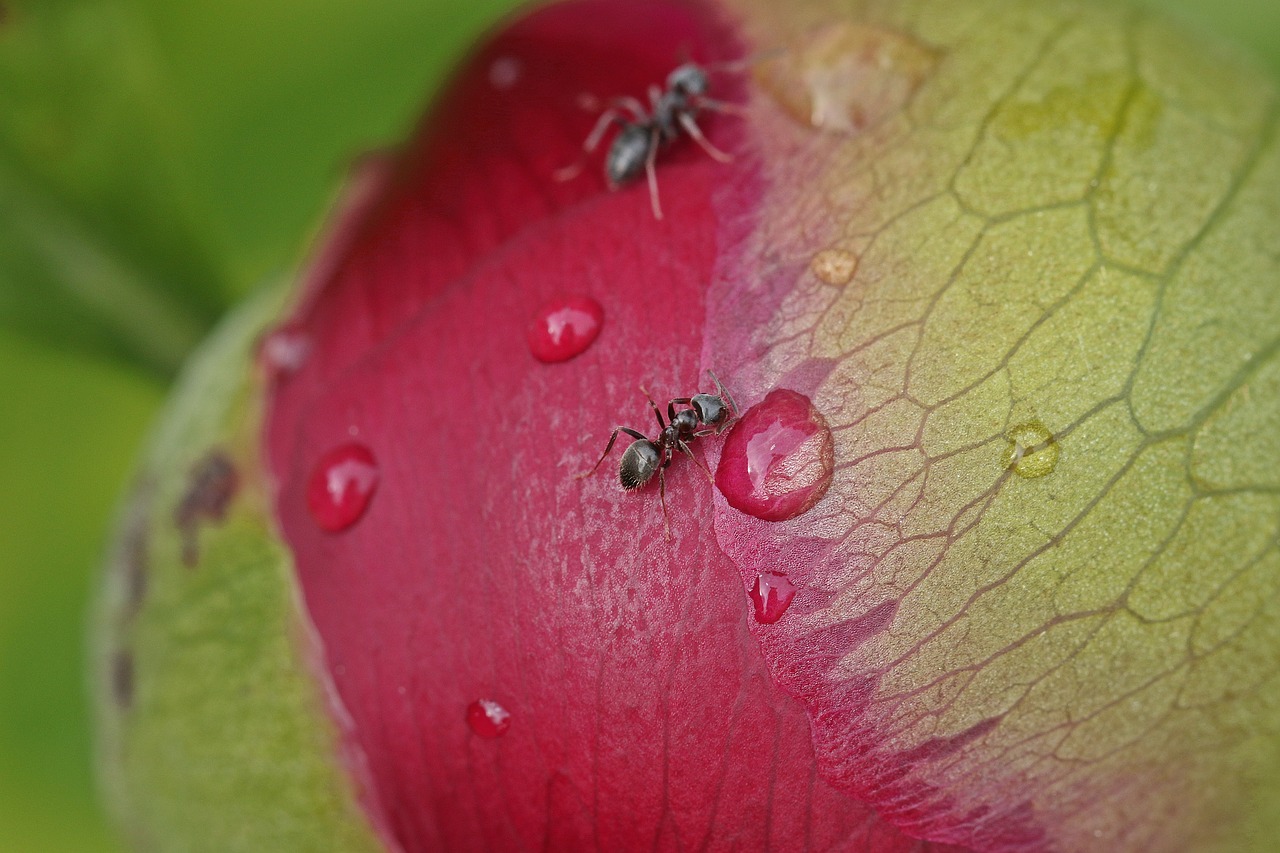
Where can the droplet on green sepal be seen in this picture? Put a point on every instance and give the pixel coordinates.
(1032, 451)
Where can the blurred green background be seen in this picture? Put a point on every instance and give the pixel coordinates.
(158, 159)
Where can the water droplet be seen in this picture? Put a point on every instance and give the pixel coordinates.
(564, 328)
(772, 595)
(488, 719)
(504, 72)
(1032, 450)
(284, 351)
(835, 266)
(341, 485)
(778, 460)
(847, 77)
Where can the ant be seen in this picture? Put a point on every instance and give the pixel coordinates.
(672, 111)
(646, 456)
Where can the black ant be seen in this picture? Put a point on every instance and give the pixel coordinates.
(645, 456)
(672, 111)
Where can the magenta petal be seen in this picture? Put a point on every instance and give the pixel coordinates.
(647, 716)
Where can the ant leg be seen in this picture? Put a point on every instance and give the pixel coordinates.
(712, 105)
(652, 173)
(654, 406)
(691, 127)
(671, 406)
(591, 103)
(613, 115)
(609, 447)
(688, 451)
(662, 497)
(655, 95)
(746, 62)
(725, 395)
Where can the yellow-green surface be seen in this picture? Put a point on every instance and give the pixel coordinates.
(1052, 382)
(167, 156)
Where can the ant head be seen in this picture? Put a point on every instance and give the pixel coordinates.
(711, 409)
(689, 79)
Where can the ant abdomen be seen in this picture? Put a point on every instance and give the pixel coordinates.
(628, 154)
(639, 462)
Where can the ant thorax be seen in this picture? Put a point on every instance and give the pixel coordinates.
(685, 422)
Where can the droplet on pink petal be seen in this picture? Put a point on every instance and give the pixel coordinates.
(341, 486)
(772, 595)
(565, 328)
(488, 719)
(778, 460)
(284, 351)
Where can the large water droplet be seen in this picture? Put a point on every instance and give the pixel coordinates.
(284, 351)
(341, 485)
(564, 328)
(835, 266)
(772, 595)
(1032, 451)
(488, 719)
(777, 461)
(847, 77)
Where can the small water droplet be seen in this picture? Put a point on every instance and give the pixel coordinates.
(504, 72)
(847, 77)
(778, 460)
(488, 719)
(341, 485)
(835, 266)
(284, 351)
(772, 595)
(1032, 450)
(564, 328)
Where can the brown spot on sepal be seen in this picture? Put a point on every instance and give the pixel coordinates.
(211, 486)
(122, 679)
(130, 559)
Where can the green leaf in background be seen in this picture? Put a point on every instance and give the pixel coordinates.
(99, 246)
(159, 159)
(66, 454)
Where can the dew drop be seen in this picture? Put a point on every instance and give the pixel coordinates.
(564, 328)
(488, 719)
(341, 485)
(772, 595)
(835, 266)
(1032, 451)
(778, 460)
(504, 72)
(284, 351)
(847, 77)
